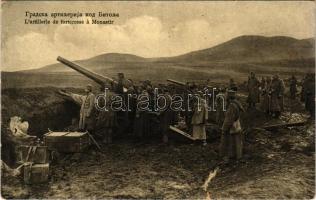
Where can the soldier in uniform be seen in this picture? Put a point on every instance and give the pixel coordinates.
(277, 98)
(293, 88)
(220, 107)
(231, 138)
(122, 115)
(310, 95)
(199, 119)
(265, 92)
(106, 118)
(87, 110)
(253, 89)
(232, 85)
(166, 117)
(141, 122)
(304, 84)
(263, 83)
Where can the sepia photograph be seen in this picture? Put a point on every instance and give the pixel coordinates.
(157, 99)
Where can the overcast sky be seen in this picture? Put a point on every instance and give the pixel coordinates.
(148, 29)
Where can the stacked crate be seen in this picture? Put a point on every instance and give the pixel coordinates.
(35, 160)
(67, 142)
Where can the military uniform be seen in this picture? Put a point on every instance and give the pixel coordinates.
(165, 118)
(199, 119)
(141, 123)
(106, 120)
(310, 95)
(220, 108)
(293, 89)
(277, 98)
(87, 111)
(265, 92)
(231, 138)
(253, 89)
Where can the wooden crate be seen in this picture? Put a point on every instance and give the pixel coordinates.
(35, 173)
(68, 142)
(35, 154)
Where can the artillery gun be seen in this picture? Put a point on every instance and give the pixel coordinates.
(101, 80)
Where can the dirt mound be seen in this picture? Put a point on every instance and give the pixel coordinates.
(41, 107)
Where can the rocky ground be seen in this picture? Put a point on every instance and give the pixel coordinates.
(276, 164)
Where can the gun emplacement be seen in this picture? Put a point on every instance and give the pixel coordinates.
(92, 75)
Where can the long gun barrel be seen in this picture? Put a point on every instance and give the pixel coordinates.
(176, 82)
(183, 85)
(92, 75)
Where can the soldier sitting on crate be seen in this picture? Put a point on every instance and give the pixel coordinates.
(87, 111)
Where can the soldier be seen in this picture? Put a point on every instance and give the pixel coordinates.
(166, 117)
(304, 83)
(265, 92)
(253, 89)
(263, 83)
(106, 118)
(220, 107)
(310, 95)
(87, 111)
(132, 91)
(232, 85)
(293, 89)
(141, 122)
(122, 83)
(122, 115)
(277, 99)
(231, 138)
(199, 119)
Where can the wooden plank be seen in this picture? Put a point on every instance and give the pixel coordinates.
(275, 126)
(181, 132)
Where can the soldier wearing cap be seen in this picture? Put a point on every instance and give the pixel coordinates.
(253, 89)
(87, 111)
(199, 118)
(309, 98)
(166, 115)
(232, 85)
(293, 87)
(277, 99)
(231, 138)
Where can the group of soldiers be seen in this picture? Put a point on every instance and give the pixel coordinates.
(143, 124)
(269, 92)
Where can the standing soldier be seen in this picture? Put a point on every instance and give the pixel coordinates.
(166, 117)
(304, 84)
(141, 123)
(232, 85)
(122, 115)
(310, 95)
(106, 119)
(231, 138)
(277, 99)
(265, 92)
(87, 111)
(253, 89)
(220, 107)
(263, 83)
(199, 119)
(293, 89)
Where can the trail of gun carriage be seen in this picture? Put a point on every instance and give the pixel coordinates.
(57, 144)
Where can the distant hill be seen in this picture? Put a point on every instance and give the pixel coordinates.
(244, 49)
(252, 49)
(95, 63)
